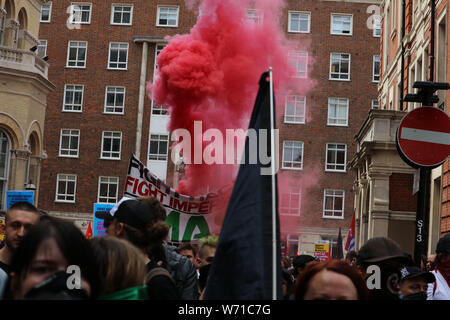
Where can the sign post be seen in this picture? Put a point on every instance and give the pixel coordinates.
(423, 141)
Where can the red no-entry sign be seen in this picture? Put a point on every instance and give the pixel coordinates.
(424, 136)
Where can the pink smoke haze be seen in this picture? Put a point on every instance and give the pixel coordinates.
(211, 75)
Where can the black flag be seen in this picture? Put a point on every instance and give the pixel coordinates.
(242, 268)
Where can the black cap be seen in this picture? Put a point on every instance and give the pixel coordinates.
(133, 212)
(381, 249)
(301, 260)
(414, 272)
(443, 244)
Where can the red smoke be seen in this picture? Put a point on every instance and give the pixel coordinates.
(211, 75)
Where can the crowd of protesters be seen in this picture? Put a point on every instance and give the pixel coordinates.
(43, 257)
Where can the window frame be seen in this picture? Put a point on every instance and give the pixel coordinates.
(290, 194)
(114, 107)
(45, 48)
(113, 5)
(351, 24)
(299, 55)
(258, 19)
(102, 157)
(296, 108)
(108, 184)
(372, 104)
(374, 34)
(308, 13)
(340, 63)
(334, 196)
(50, 4)
(158, 13)
(70, 140)
(64, 97)
(158, 155)
(118, 56)
(66, 194)
(80, 4)
(328, 147)
(76, 61)
(373, 68)
(292, 161)
(337, 105)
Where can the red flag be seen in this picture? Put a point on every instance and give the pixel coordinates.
(350, 245)
(89, 231)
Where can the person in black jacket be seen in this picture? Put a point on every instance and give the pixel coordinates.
(142, 222)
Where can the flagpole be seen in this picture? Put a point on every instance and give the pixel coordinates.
(274, 209)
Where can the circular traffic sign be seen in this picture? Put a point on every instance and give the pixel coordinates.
(423, 137)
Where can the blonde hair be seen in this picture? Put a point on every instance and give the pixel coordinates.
(120, 264)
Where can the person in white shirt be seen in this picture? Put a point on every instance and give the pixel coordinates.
(440, 289)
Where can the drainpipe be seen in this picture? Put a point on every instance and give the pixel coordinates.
(141, 99)
(402, 75)
(432, 57)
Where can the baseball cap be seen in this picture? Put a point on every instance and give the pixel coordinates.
(443, 244)
(414, 272)
(133, 212)
(381, 249)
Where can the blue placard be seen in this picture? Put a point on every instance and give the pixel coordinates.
(18, 196)
(98, 229)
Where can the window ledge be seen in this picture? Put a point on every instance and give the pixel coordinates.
(336, 218)
(113, 159)
(64, 201)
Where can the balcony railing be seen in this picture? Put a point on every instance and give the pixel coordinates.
(23, 60)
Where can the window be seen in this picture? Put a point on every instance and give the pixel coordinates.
(377, 27)
(159, 147)
(167, 17)
(115, 100)
(341, 24)
(69, 143)
(159, 109)
(66, 185)
(42, 48)
(76, 54)
(254, 16)
(81, 13)
(46, 12)
(376, 69)
(295, 109)
(333, 204)
(107, 189)
(299, 22)
(298, 60)
(340, 66)
(4, 166)
(336, 157)
(293, 155)
(121, 14)
(111, 145)
(158, 49)
(337, 111)
(375, 104)
(73, 98)
(290, 203)
(118, 56)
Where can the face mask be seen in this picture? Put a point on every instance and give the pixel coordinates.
(416, 296)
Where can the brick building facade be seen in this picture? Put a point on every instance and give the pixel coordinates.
(406, 57)
(86, 115)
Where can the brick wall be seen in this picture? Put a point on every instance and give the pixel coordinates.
(400, 192)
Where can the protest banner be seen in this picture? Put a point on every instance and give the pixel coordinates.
(188, 217)
(322, 250)
(18, 196)
(97, 227)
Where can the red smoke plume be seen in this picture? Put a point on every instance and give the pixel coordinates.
(211, 75)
